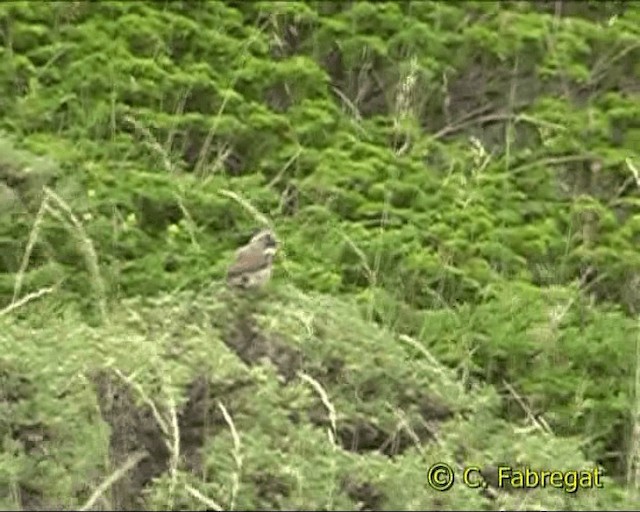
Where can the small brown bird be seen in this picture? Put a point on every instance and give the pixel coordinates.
(254, 262)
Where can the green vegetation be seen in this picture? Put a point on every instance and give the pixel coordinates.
(456, 188)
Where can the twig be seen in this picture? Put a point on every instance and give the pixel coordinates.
(87, 248)
(156, 414)
(551, 161)
(202, 498)
(261, 218)
(204, 150)
(538, 421)
(237, 454)
(31, 242)
(333, 433)
(469, 120)
(27, 298)
(285, 167)
(131, 462)
(371, 276)
(175, 446)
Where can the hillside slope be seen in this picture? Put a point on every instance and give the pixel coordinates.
(456, 189)
(286, 403)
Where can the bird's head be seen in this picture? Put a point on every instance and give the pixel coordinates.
(266, 240)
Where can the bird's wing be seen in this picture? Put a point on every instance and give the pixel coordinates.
(249, 261)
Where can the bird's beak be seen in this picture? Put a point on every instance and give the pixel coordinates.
(271, 242)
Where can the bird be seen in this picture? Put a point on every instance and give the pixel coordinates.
(253, 263)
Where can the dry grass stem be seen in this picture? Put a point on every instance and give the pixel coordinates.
(129, 464)
(237, 455)
(333, 433)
